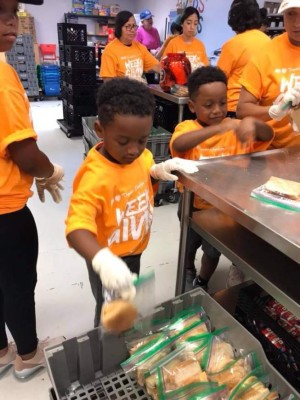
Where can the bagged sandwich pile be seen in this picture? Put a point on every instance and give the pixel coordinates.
(184, 358)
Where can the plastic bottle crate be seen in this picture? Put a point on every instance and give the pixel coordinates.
(88, 131)
(80, 57)
(87, 366)
(62, 53)
(72, 34)
(250, 313)
(82, 95)
(79, 77)
(158, 143)
(166, 114)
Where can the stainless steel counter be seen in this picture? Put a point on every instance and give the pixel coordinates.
(249, 232)
(156, 90)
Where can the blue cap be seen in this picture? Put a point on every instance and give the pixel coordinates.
(145, 14)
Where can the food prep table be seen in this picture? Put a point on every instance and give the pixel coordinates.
(262, 239)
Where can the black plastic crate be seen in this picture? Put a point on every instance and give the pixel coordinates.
(72, 34)
(80, 57)
(62, 53)
(166, 114)
(284, 351)
(82, 95)
(79, 77)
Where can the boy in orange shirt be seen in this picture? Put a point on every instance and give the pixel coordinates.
(212, 135)
(110, 212)
(21, 161)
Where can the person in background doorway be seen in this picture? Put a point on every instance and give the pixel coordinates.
(147, 34)
(175, 29)
(264, 19)
(110, 212)
(21, 161)
(271, 80)
(187, 42)
(124, 56)
(244, 19)
(211, 135)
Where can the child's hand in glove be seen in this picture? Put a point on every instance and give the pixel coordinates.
(163, 170)
(52, 184)
(114, 273)
(284, 102)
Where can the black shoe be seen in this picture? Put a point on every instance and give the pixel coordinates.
(198, 282)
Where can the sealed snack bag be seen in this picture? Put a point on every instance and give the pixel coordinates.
(220, 354)
(142, 360)
(186, 350)
(253, 387)
(214, 393)
(119, 314)
(186, 320)
(187, 392)
(234, 372)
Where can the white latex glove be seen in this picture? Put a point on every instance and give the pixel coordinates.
(51, 184)
(284, 102)
(114, 273)
(163, 170)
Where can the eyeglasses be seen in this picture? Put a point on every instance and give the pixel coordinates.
(131, 27)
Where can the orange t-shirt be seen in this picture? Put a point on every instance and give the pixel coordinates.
(119, 60)
(15, 126)
(235, 55)
(220, 145)
(269, 73)
(195, 51)
(113, 201)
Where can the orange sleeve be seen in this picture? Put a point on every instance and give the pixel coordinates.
(251, 78)
(205, 59)
(109, 61)
(15, 121)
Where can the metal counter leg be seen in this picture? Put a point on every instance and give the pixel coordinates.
(187, 200)
(180, 112)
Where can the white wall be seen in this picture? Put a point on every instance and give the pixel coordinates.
(52, 12)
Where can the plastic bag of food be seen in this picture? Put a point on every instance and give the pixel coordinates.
(119, 315)
(214, 393)
(187, 392)
(254, 386)
(186, 320)
(219, 354)
(234, 372)
(142, 360)
(186, 351)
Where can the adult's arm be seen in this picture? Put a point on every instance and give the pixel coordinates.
(248, 106)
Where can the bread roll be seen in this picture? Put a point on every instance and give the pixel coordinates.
(118, 316)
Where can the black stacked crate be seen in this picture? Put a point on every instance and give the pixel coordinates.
(21, 58)
(78, 77)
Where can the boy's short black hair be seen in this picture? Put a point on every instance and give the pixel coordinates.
(244, 15)
(124, 96)
(204, 75)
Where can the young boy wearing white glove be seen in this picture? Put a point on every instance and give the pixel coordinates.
(110, 212)
(21, 161)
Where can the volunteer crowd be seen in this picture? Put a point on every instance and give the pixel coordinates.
(245, 104)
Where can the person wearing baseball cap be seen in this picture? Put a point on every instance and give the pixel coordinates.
(271, 80)
(21, 163)
(146, 33)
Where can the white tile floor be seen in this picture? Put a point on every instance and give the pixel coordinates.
(64, 304)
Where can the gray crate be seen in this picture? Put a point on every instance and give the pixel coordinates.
(88, 131)
(88, 367)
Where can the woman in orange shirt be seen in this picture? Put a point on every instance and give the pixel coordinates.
(187, 42)
(271, 80)
(245, 19)
(20, 162)
(124, 56)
